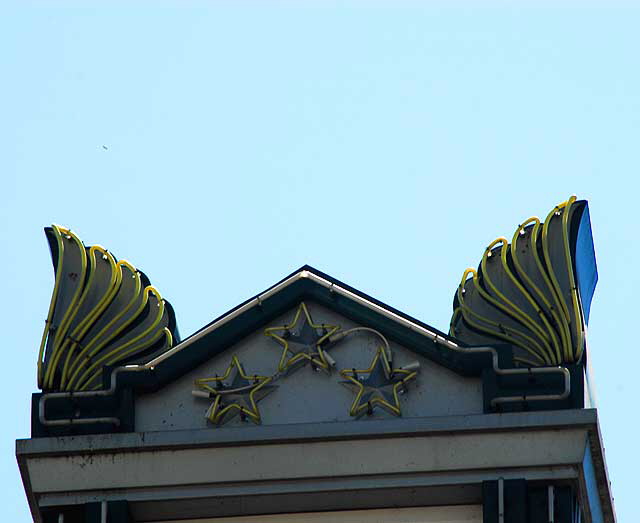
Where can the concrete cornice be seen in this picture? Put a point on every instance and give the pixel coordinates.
(256, 435)
(285, 467)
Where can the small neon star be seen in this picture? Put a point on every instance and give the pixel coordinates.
(377, 389)
(240, 396)
(301, 342)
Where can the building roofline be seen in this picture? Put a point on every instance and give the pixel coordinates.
(333, 285)
(111, 408)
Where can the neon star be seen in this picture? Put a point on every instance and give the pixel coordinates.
(301, 342)
(380, 387)
(239, 396)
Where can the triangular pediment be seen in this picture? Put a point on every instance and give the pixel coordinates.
(294, 373)
(304, 285)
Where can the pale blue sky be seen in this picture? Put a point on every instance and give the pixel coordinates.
(384, 143)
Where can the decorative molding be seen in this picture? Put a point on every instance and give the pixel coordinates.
(535, 292)
(103, 312)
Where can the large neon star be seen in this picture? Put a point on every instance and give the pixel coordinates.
(380, 387)
(301, 342)
(239, 396)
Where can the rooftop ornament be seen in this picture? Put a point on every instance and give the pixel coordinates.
(535, 292)
(103, 312)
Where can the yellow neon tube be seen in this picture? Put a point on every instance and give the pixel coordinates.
(73, 339)
(148, 330)
(532, 302)
(508, 306)
(577, 306)
(545, 249)
(564, 337)
(356, 408)
(71, 310)
(285, 362)
(490, 333)
(215, 414)
(514, 313)
(541, 264)
(88, 351)
(536, 350)
(54, 297)
(141, 345)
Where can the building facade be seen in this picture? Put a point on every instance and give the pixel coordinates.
(315, 402)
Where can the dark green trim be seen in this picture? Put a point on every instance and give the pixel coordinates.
(120, 405)
(117, 512)
(565, 504)
(72, 514)
(528, 502)
(515, 501)
(494, 386)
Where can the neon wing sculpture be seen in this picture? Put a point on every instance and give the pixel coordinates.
(535, 292)
(103, 312)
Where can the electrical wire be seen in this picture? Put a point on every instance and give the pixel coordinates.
(344, 333)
